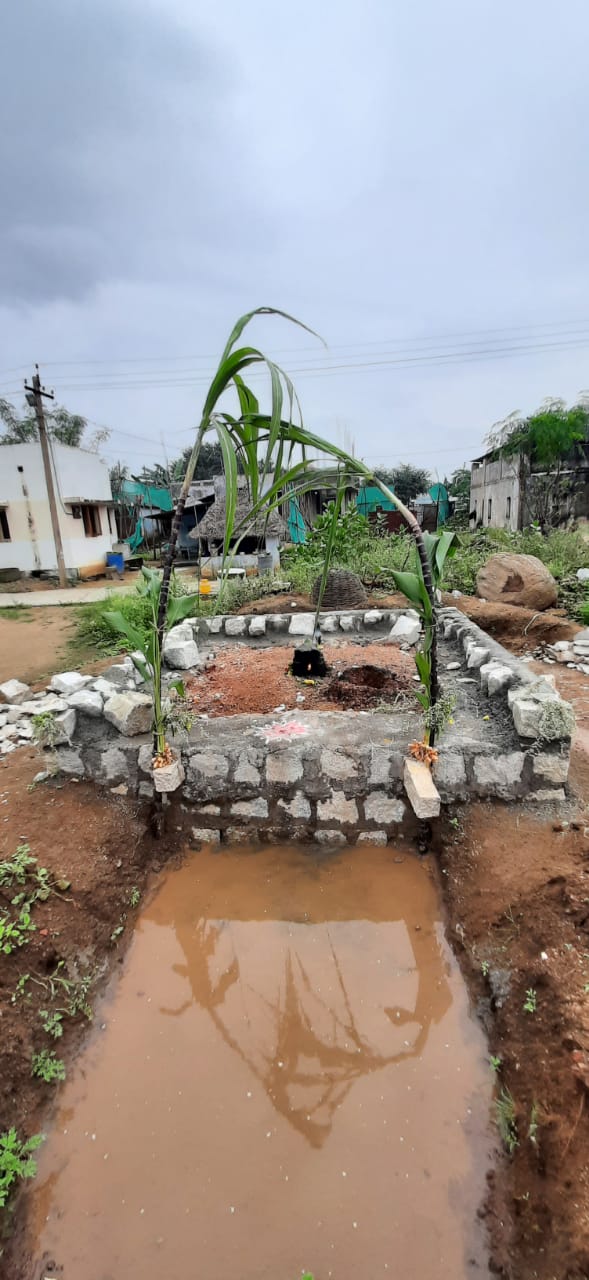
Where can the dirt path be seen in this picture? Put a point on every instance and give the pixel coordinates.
(33, 643)
(517, 892)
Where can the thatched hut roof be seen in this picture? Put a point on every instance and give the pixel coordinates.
(212, 525)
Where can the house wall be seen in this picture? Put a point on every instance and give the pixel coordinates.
(77, 474)
(495, 481)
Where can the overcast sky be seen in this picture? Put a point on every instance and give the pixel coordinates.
(410, 179)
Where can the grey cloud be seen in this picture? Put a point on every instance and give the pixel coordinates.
(109, 148)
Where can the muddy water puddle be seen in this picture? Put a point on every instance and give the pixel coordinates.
(287, 1078)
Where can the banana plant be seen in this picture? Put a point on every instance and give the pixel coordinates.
(147, 646)
(438, 547)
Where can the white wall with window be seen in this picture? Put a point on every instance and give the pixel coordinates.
(83, 495)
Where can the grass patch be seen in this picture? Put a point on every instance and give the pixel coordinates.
(17, 613)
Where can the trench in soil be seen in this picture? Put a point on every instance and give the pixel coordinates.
(284, 1075)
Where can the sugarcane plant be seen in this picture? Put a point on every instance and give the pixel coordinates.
(147, 650)
(272, 450)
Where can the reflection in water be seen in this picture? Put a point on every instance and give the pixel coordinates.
(288, 1080)
(311, 1046)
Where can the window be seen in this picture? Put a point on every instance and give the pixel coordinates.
(508, 509)
(91, 518)
(489, 509)
(4, 526)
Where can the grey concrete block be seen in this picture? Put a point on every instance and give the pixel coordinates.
(337, 809)
(346, 622)
(250, 808)
(206, 835)
(476, 657)
(449, 771)
(208, 764)
(500, 775)
(301, 624)
(329, 837)
(406, 630)
(551, 768)
(380, 807)
(421, 790)
(542, 796)
(338, 765)
(14, 691)
(68, 682)
(70, 762)
(113, 766)
(235, 626)
(257, 626)
(298, 807)
(372, 837)
(130, 712)
(88, 701)
(284, 767)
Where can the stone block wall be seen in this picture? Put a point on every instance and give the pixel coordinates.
(327, 776)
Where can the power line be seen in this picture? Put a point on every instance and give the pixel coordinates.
(437, 337)
(415, 350)
(431, 360)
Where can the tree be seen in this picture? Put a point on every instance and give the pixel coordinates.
(458, 485)
(118, 474)
(63, 426)
(406, 480)
(548, 444)
(210, 464)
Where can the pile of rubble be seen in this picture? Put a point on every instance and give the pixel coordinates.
(573, 653)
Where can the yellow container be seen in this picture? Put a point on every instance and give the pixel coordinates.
(204, 587)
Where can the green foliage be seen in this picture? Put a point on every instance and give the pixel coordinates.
(351, 534)
(15, 931)
(146, 640)
(94, 632)
(406, 480)
(531, 1001)
(495, 1063)
(27, 883)
(505, 1111)
(134, 897)
(65, 427)
(52, 1021)
(47, 1066)
(545, 437)
(46, 730)
(16, 1160)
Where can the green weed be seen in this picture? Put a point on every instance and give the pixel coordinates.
(506, 1120)
(52, 1021)
(16, 1160)
(495, 1063)
(531, 1001)
(46, 1066)
(15, 933)
(134, 897)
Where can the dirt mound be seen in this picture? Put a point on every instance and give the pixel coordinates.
(365, 686)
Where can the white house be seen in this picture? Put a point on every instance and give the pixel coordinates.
(495, 492)
(84, 506)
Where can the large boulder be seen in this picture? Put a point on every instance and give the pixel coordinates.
(513, 579)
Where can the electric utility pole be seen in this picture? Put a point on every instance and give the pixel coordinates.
(35, 394)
